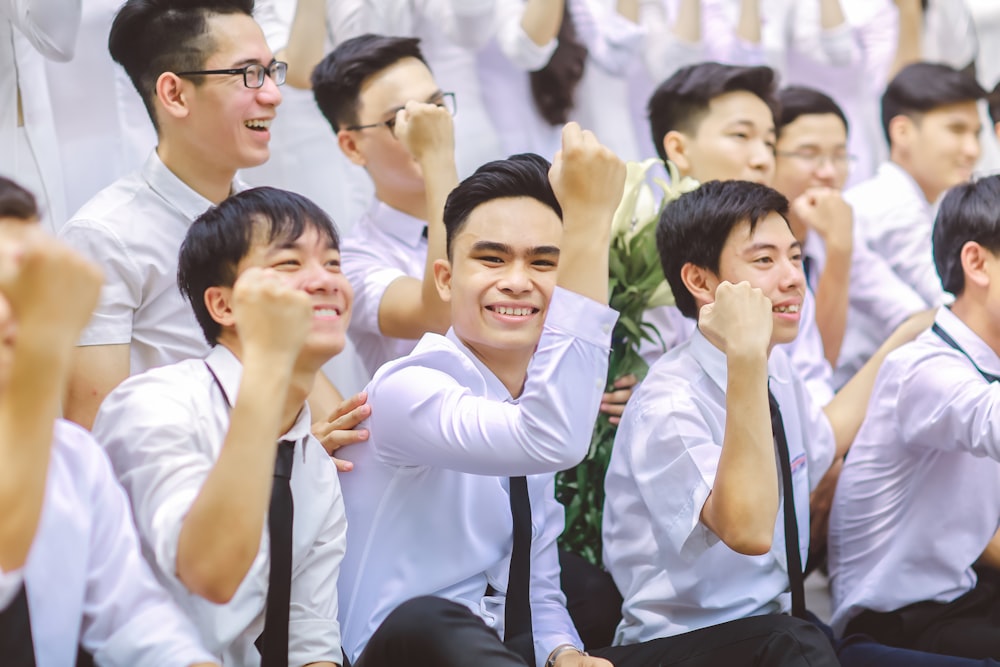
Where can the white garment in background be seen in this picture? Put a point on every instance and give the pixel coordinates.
(30, 32)
(919, 496)
(86, 581)
(674, 573)
(428, 501)
(163, 431)
(101, 125)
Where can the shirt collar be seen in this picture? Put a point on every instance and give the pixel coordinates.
(713, 361)
(405, 227)
(974, 346)
(495, 389)
(175, 191)
(894, 172)
(228, 370)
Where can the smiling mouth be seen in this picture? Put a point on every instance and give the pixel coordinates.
(257, 125)
(517, 312)
(326, 312)
(794, 309)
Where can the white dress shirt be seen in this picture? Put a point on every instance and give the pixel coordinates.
(919, 496)
(32, 31)
(86, 581)
(673, 572)
(428, 501)
(386, 244)
(163, 431)
(133, 230)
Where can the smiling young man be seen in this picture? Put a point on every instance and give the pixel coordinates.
(706, 518)
(931, 120)
(208, 126)
(197, 444)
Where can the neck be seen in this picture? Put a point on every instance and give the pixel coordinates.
(411, 203)
(512, 372)
(299, 389)
(976, 317)
(198, 173)
(930, 194)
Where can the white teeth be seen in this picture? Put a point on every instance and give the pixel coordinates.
(326, 312)
(258, 124)
(786, 309)
(504, 310)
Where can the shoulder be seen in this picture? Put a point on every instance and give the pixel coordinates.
(162, 394)
(435, 356)
(112, 207)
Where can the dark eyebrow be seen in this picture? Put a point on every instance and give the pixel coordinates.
(544, 250)
(769, 246)
(492, 246)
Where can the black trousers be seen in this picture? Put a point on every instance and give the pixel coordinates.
(592, 599)
(967, 627)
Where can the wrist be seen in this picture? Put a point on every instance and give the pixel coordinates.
(562, 649)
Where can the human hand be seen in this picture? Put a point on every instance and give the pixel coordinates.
(825, 211)
(271, 318)
(613, 402)
(337, 430)
(739, 321)
(588, 179)
(426, 131)
(50, 288)
(912, 326)
(574, 659)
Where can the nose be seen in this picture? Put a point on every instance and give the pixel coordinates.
(826, 171)
(972, 146)
(762, 158)
(317, 280)
(793, 277)
(269, 94)
(515, 279)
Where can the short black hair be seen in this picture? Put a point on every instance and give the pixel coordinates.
(798, 101)
(337, 79)
(694, 228)
(680, 102)
(922, 87)
(968, 212)
(522, 175)
(150, 37)
(993, 100)
(223, 235)
(16, 202)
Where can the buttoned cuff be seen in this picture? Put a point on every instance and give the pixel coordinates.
(581, 317)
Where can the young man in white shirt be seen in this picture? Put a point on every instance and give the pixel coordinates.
(71, 574)
(699, 529)
(195, 443)
(717, 122)
(511, 391)
(931, 120)
(919, 497)
(857, 294)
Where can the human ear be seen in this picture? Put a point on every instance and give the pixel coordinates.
(975, 264)
(219, 303)
(171, 94)
(700, 282)
(675, 146)
(442, 278)
(349, 147)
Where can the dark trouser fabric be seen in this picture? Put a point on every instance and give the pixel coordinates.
(758, 641)
(432, 632)
(967, 627)
(592, 599)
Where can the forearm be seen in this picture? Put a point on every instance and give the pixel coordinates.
(687, 27)
(831, 15)
(748, 27)
(221, 534)
(541, 20)
(629, 9)
(306, 41)
(440, 178)
(583, 259)
(743, 503)
(832, 299)
(910, 28)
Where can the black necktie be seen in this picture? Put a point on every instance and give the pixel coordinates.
(273, 642)
(16, 645)
(517, 635)
(792, 554)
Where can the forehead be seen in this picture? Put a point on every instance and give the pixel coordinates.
(403, 81)
(520, 222)
(959, 112)
(772, 229)
(738, 106)
(235, 39)
(824, 129)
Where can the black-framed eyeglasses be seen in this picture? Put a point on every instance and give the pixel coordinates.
(253, 74)
(814, 159)
(445, 100)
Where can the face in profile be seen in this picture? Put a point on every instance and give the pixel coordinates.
(733, 141)
(770, 259)
(311, 264)
(940, 147)
(501, 276)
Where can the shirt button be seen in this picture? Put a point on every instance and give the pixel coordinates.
(606, 328)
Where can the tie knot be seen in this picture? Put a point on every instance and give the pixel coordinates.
(283, 460)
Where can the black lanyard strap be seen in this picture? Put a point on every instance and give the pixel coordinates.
(943, 335)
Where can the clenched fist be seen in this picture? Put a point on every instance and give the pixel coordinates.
(739, 321)
(271, 317)
(587, 178)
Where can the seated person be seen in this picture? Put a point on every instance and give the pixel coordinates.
(706, 518)
(931, 121)
(717, 122)
(216, 454)
(452, 502)
(71, 574)
(919, 497)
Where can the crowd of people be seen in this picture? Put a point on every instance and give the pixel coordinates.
(279, 203)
